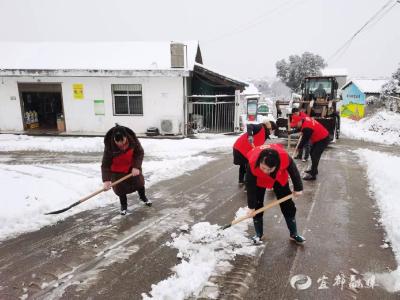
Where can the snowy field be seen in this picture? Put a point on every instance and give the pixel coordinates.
(384, 182)
(382, 127)
(29, 191)
(384, 185)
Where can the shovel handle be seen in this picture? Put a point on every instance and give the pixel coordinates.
(103, 190)
(88, 197)
(297, 145)
(264, 208)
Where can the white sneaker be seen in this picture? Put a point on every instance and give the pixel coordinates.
(147, 202)
(123, 212)
(256, 240)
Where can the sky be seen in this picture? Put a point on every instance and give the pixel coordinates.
(240, 38)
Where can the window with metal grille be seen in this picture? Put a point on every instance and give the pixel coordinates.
(127, 99)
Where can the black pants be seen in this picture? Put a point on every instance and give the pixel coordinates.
(306, 149)
(288, 208)
(316, 151)
(242, 172)
(124, 200)
(241, 161)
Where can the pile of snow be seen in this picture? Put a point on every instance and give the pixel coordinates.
(11, 142)
(204, 250)
(30, 191)
(384, 184)
(382, 127)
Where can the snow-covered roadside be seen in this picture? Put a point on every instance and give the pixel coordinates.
(29, 191)
(384, 184)
(152, 147)
(204, 251)
(382, 127)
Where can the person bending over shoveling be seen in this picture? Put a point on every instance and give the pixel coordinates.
(269, 168)
(256, 135)
(123, 154)
(314, 132)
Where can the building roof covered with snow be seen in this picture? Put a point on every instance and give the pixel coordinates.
(367, 86)
(251, 89)
(94, 55)
(334, 72)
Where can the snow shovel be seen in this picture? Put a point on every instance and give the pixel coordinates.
(88, 197)
(264, 208)
(297, 145)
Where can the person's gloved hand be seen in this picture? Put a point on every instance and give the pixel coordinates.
(250, 139)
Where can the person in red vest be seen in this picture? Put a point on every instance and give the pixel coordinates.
(123, 154)
(269, 167)
(315, 133)
(297, 115)
(256, 135)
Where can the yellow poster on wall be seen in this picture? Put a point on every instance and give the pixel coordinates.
(78, 91)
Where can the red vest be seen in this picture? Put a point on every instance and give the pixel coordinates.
(319, 131)
(242, 144)
(303, 115)
(264, 180)
(123, 162)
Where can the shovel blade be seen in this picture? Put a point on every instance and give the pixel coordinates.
(62, 210)
(226, 226)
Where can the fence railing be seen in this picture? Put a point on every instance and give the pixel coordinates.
(211, 116)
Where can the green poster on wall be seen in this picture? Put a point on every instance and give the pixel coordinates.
(99, 108)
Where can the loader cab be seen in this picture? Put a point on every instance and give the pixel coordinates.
(311, 88)
(320, 102)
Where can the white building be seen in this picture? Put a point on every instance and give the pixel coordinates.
(85, 88)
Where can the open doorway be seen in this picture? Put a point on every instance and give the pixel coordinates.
(42, 106)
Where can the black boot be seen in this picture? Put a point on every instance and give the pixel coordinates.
(309, 177)
(124, 204)
(259, 228)
(292, 226)
(142, 196)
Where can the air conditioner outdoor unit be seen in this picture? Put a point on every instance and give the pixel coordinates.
(169, 126)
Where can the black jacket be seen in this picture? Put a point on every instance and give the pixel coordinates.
(253, 129)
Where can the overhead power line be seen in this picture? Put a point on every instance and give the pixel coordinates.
(254, 22)
(376, 17)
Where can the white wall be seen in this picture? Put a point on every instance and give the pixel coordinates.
(162, 99)
(10, 110)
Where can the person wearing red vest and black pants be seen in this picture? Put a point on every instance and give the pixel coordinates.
(123, 154)
(316, 133)
(299, 115)
(269, 168)
(256, 135)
